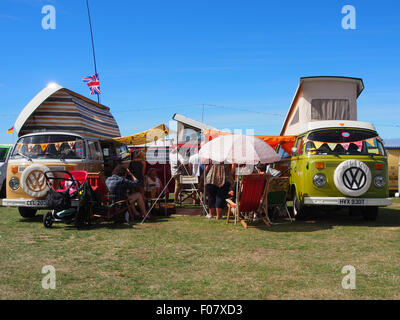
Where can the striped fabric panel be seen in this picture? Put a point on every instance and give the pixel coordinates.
(73, 129)
(61, 109)
(75, 114)
(67, 122)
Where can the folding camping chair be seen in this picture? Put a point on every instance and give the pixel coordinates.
(250, 194)
(189, 185)
(275, 193)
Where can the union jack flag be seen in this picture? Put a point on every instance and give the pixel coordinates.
(93, 83)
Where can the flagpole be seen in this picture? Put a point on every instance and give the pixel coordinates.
(93, 51)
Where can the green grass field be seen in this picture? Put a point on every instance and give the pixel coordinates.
(194, 258)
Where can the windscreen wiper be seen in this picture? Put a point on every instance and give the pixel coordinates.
(62, 157)
(24, 156)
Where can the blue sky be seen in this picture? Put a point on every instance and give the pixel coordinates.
(156, 58)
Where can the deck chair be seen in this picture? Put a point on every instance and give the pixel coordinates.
(189, 185)
(250, 194)
(276, 189)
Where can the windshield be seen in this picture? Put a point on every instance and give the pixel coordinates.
(344, 142)
(3, 154)
(49, 147)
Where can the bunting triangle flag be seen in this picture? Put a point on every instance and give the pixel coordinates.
(57, 145)
(345, 145)
(371, 141)
(18, 147)
(332, 146)
(44, 146)
(30, 147)
(318, 144)
(359, 144)
(71, 144)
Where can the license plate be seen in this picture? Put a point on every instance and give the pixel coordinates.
(58, 168)
(352, 202)
(36, 203)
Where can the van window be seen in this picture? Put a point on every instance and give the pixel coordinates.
(299, 146)
(3, 153)
(295, 118)
(123, 152)
(94, 150)
(49, 147)
(342, 141)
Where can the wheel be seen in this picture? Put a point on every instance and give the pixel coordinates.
(48, 219)
(3, 191)
(355, 211)
(300, 212)
(27, 212)
(370, 213)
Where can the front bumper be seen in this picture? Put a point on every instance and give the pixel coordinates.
(31, 203)
(341, 201)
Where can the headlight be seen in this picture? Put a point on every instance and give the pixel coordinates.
(319, 180)
(14, 183)
(379, 181)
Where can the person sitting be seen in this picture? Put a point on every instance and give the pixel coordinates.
(267, 169)
(152, 184)
(125, 189)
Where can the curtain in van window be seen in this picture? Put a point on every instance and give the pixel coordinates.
(330, 109)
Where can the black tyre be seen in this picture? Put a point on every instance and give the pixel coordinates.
(3, 191)
(355, 211)
(370, 213)
(27, 212)
(300, 212)
(48, 219)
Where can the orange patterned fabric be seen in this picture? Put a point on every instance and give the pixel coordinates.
(287, 142)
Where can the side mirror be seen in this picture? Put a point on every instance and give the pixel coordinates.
(294, 151)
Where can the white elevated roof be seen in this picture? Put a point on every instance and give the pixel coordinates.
(322, 98)
(308, 126)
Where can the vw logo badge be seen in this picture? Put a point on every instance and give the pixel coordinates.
(354, 178)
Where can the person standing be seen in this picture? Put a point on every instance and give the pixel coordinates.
(196, 168)
(176, 161)
(138, 169)
(220, 184)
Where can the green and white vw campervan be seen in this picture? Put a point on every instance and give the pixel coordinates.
(341, 164)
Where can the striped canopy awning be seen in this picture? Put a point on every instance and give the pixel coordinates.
(148, 136)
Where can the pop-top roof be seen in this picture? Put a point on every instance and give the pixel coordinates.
(58, 109)
(313, 97)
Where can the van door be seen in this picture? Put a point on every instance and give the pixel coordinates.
(95, 158)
